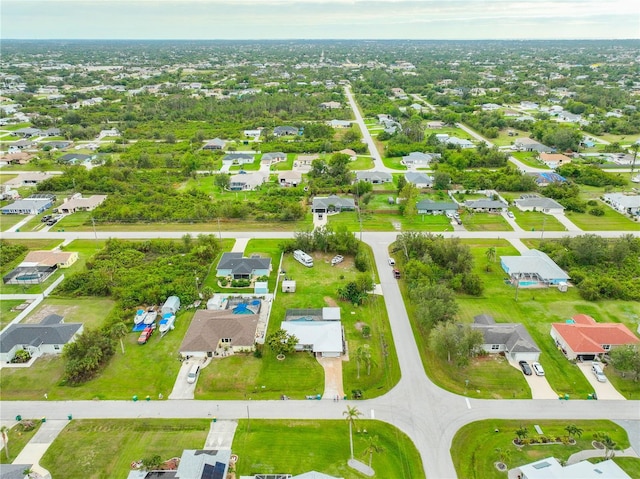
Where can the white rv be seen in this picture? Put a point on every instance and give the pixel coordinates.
(303, 258)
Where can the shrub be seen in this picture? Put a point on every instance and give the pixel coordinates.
(597, 211)
(22, 356)
(366, 331)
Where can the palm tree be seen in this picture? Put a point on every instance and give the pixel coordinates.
(373, 447)
(573, 430)
(351, 414)
(608, 443)
(492, 253)
(359, 358)
(368, 359)
(120, 330)
(503, 455)
(522, 432)
(5, 439)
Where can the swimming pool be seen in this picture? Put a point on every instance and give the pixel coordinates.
(528, 283)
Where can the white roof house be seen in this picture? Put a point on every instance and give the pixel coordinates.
(538, 203)
(550, 468)
(625, 204)
(324, 338)
(535, 266)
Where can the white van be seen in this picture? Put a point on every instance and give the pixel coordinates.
(598, 372)
(193, 373)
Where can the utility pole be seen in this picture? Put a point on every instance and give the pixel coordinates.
(248, 418)
(517, 285)
(93, 222)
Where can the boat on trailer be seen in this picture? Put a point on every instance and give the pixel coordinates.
(151, 315)
(167, 322)
(139, 317)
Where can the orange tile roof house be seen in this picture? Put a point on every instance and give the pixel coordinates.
(582, 338)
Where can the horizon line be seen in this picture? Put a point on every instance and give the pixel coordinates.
(331, 39)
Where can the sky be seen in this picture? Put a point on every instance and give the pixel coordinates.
(320, 19)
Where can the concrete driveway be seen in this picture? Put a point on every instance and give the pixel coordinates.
(181, 388)
(603, 390)
(540, 388)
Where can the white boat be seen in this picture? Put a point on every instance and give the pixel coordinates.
(139, 317)
(150, 316)
(166, 323)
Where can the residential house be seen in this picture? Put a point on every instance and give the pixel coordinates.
(37, 266)
(582, 338)
(350, 153)
(50, 258)
(47, 337)
(331, 105)
(544, 178)
(27, 206)
(317, 330)
(57, 145)
(289, 178)
(333, 203)
(238, 158)
(285, 131)
(417, 159)
(253, 133)
(111, 132)
(274, 157)
(27, 132)
(247, 181)
(529, 144)
(512, 339)
(554, 160)
(29, 179)
(550, 468)
(374, 177)
(486, 206)
(194, 464)
(538, 203)
(625, 204)
(16, 158)
(215, 144)
(417, 107)
(219, 333)
(74, 158)
(435, 125)
(429, 207)
(455, 141)
(21, 145)
(418, 179)
(238, 267)
(78, 203)
(52, 132)
(339, 124)
(533, 268)
(304, 475)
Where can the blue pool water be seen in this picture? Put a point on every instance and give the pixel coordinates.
(528, 283)
(28, 277)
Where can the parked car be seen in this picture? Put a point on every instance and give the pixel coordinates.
(391, 261)
(396, 274)
(525, 368)
(46, 218)
(337, 259)
(537, 368)
(596, 369)
(51, 221)
(510, 214)
(145, 335)
(193, 373)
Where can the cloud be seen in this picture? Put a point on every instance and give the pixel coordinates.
(236, 19)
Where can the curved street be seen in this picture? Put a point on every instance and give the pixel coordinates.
(429, 415)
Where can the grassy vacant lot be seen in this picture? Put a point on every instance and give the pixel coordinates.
(537, 309)
(388, 222)
(610, 221)
(322, 446)
(484, 222)
(473, 449)
(9, 221)
(504, 139)
(17, 440)
(361, 163)
(529, 159)
(75, 453)
(536, 221)
(7, 314)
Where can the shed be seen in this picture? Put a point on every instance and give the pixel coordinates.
(171, 305)
(289, 286)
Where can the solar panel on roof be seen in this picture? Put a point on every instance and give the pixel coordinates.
(207, 472)
(218, 471)
(541, 465)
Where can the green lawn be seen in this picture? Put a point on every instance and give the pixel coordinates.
(5, 178)
(6, 311)
(17, 440)
(504, 139)
(610, 221)
(8, 221)
(392, 162)
(631, 465)
(484, 222)
(387, 222)
(529, 159)
(536, 221)
(75, 453)
(473, 449)
(322, 446)
(284, 165)
(628, 387)
(622, 139)
(361, 163)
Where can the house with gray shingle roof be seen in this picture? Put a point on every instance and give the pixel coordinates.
(215, 144)
(47, 337)
(374, 177)
(238, 158)
(328, 204)
(417, 159)
(285, 130)
(538, 203)
(239, 267)
(429, 207)
(513, 339)
(274, 157)
(420, 180)
(486, 205)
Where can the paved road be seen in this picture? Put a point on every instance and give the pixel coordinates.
(477, 136)
(373, 151)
